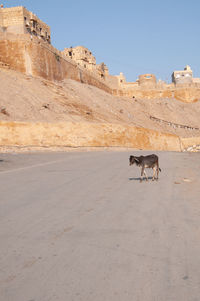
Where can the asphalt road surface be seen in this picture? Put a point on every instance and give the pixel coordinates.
(81, 227)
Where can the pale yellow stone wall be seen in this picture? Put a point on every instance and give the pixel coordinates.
(12, 16)
(147, 80)
(196, 80)
(38, 58)
(12, 19)
(19, 20)
(82, 56)
(35, 26)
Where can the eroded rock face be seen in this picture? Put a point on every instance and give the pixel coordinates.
(85, 135)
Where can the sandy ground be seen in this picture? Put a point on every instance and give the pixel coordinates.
(80, 226)
(24, 98)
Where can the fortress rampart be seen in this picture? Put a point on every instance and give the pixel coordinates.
(34, 57)
(25, 46)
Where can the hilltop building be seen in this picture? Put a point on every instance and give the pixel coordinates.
(19, 20)
(84, 58)
(183, 77)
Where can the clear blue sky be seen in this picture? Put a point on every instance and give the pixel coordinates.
(133, 37)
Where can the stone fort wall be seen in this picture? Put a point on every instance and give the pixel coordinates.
(27, 54)
(35, 57)
(25, 46)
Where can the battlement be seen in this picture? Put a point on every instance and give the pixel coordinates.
(19, 20)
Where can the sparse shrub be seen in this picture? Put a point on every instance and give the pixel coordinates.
(3, 111)
(57, 57)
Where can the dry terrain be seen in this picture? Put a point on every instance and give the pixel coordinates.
(24, 98)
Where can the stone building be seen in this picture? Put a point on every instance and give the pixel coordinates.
(84, 58)
(19, 20)
(183, 77)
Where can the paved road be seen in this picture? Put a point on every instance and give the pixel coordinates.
(80, 226)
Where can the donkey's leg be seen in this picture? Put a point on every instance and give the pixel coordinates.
(145, 175)
(142, 174)
(157, 170)
(154, 173)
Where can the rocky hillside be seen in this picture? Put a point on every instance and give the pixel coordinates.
(24, 98)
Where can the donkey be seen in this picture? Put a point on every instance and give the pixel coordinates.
(150, 161)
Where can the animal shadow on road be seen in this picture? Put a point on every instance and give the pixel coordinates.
(138, 179)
